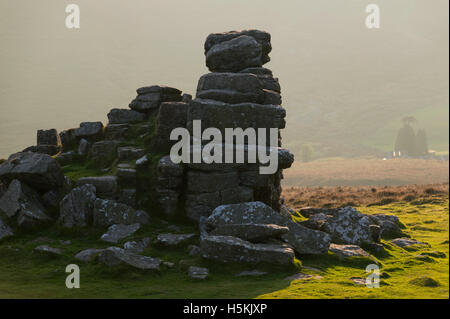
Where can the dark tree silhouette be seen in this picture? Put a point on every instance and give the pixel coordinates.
(406, 140)
(421, 142)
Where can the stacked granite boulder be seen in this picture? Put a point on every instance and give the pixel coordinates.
(239, 93)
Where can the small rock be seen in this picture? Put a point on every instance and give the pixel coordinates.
(168, 264)
(251, 232)
(198, 273)
(88, 255)
(251, 273)
(194, 250)
(5, 230)
(48, 250)
(174, 239)
(406, 242)
(137, 246)
(118, 232)
(301, 276)
(358, 281)
(346, 251)
(83, 147)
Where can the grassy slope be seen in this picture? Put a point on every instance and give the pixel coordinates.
(25, 274)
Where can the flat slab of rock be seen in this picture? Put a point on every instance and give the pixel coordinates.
(301, 276)
(48, 250)
(174, 239)
(88, 255)
(91, 131)
(347, 251)
(251, 273)
(231, 249)
(198, 273)
(118, 232)
(406, 242)
(251, 232)
(304, 240)
(115, 256)
(39, 171)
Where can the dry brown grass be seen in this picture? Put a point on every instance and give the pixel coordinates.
(355, 172)
(298, 197)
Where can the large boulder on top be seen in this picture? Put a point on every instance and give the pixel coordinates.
(234, 55)
(21, 204)
(48, 137)
(231, 249)
(76, 208)
(304, 240)
(262, 37)
(150, 97)
(39, 171)
(234, 51)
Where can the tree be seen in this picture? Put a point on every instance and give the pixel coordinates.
(405, 142)
(306, 153)
(421, 142)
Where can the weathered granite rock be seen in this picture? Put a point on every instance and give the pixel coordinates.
(389, 225)
(251, 232)
(5, 230)
(171, 115)
(115, 256)
(304, 240)
(243, 115)
(348, 226)
(76, 208)
(109, 212)
(22, 204)
(44, 249)
(83, 147)
(231, 249)
(106, 186)
(125, 116)
(88, 255)
(234, 55)
(186, 98)
(406, 242)
(103, 153)
(198, 273)
(168, 168)
(258, 71)
(128, 197)
(118, 232)
(263, 38)
(137, 246)
(171, 240)
(142, 162)
(126, 153)
(126, 176)
(39, 171)
(233, 88)
(65, 158)
(48, 137)
(117, 132)
(168, 200)
(67, 139)
(150, 97)
(204, 182)
(346, 251)
(91, 131)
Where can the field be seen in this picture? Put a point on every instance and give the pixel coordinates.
(366, 171)
(419, 272)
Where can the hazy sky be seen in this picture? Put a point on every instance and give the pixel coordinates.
(324, 55)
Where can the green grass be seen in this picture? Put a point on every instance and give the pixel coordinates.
(26, 274)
